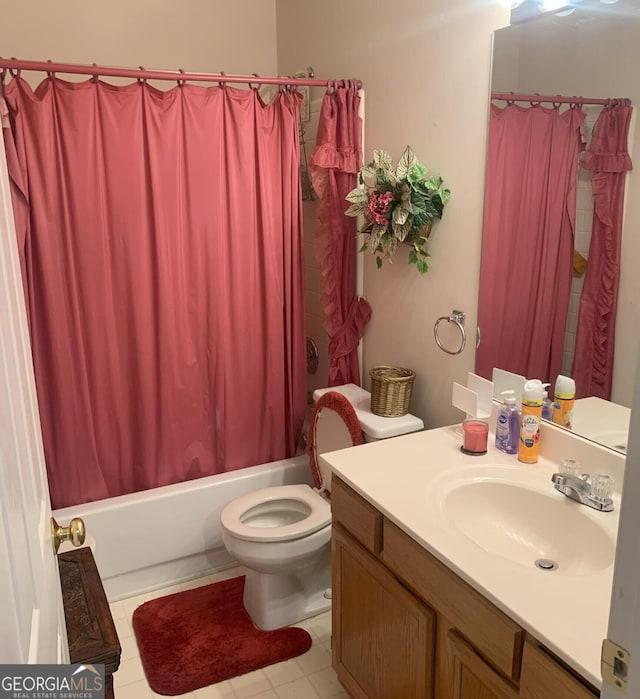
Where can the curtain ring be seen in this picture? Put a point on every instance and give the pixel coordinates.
(556, 105)
(257, 85)
(181, 81)
(94, 77)
(456, 317)
(141, 81)
(222, 83)
(14, 72)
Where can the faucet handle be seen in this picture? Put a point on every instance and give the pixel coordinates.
(570, 467)
(601, 486)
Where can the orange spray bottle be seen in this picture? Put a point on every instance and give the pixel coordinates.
(530, 417)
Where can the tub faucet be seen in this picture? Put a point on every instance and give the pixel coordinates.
(593, 492)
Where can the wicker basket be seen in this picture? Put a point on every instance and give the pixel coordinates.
(391, 389)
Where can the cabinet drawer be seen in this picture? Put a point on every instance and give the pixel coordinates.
(496, 637)
(361, 519)
(544, 678)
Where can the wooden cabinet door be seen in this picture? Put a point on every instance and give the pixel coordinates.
(383, 637)
(544, 678)
(471, 677)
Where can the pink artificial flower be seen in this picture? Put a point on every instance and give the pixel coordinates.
(379, 206)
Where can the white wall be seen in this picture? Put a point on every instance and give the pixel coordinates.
(199, 35)
(425, 69)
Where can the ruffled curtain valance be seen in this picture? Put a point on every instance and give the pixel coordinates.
(327, 157)
(334, 165)
(609, 161)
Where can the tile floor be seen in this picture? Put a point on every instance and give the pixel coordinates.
(308, 676)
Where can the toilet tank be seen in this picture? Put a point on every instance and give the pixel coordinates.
(373, 426)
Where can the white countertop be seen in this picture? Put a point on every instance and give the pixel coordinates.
(407, 479)
(602, 421)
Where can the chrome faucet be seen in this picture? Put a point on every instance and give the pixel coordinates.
(591, 492)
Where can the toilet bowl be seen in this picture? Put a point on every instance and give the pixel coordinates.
(282, 535)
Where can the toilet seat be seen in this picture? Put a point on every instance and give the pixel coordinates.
(314, 512)
(345, 431)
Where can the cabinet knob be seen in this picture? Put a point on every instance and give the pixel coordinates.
(75, 533)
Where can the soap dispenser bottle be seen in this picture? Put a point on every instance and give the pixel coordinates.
(508, 424)
(547, 404)
(530, 416)
(564, 400)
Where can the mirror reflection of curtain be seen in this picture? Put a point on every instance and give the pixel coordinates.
(528, 238)
(160, 234)
(609, 162)
(335, 162)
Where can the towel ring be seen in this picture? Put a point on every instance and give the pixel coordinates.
(456, 317)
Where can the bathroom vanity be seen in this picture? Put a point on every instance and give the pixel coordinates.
(434, 594)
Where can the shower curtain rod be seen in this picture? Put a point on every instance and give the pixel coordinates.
(13, 65)
(556, 99)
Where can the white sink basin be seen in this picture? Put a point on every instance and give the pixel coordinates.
(525, 525)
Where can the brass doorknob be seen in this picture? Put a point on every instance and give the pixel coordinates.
(75, 533)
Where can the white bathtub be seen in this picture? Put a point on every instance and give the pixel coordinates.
(155, 538)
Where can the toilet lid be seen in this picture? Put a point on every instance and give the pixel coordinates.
(334, 425)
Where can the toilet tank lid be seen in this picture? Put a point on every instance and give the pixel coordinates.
(374, 426)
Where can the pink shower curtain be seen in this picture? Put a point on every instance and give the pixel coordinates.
(334, 164)
(160, 234)
(527, 240)
(609, 161)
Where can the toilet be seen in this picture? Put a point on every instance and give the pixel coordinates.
(282, 535)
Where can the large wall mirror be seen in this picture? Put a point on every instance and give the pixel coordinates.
(594, 51)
